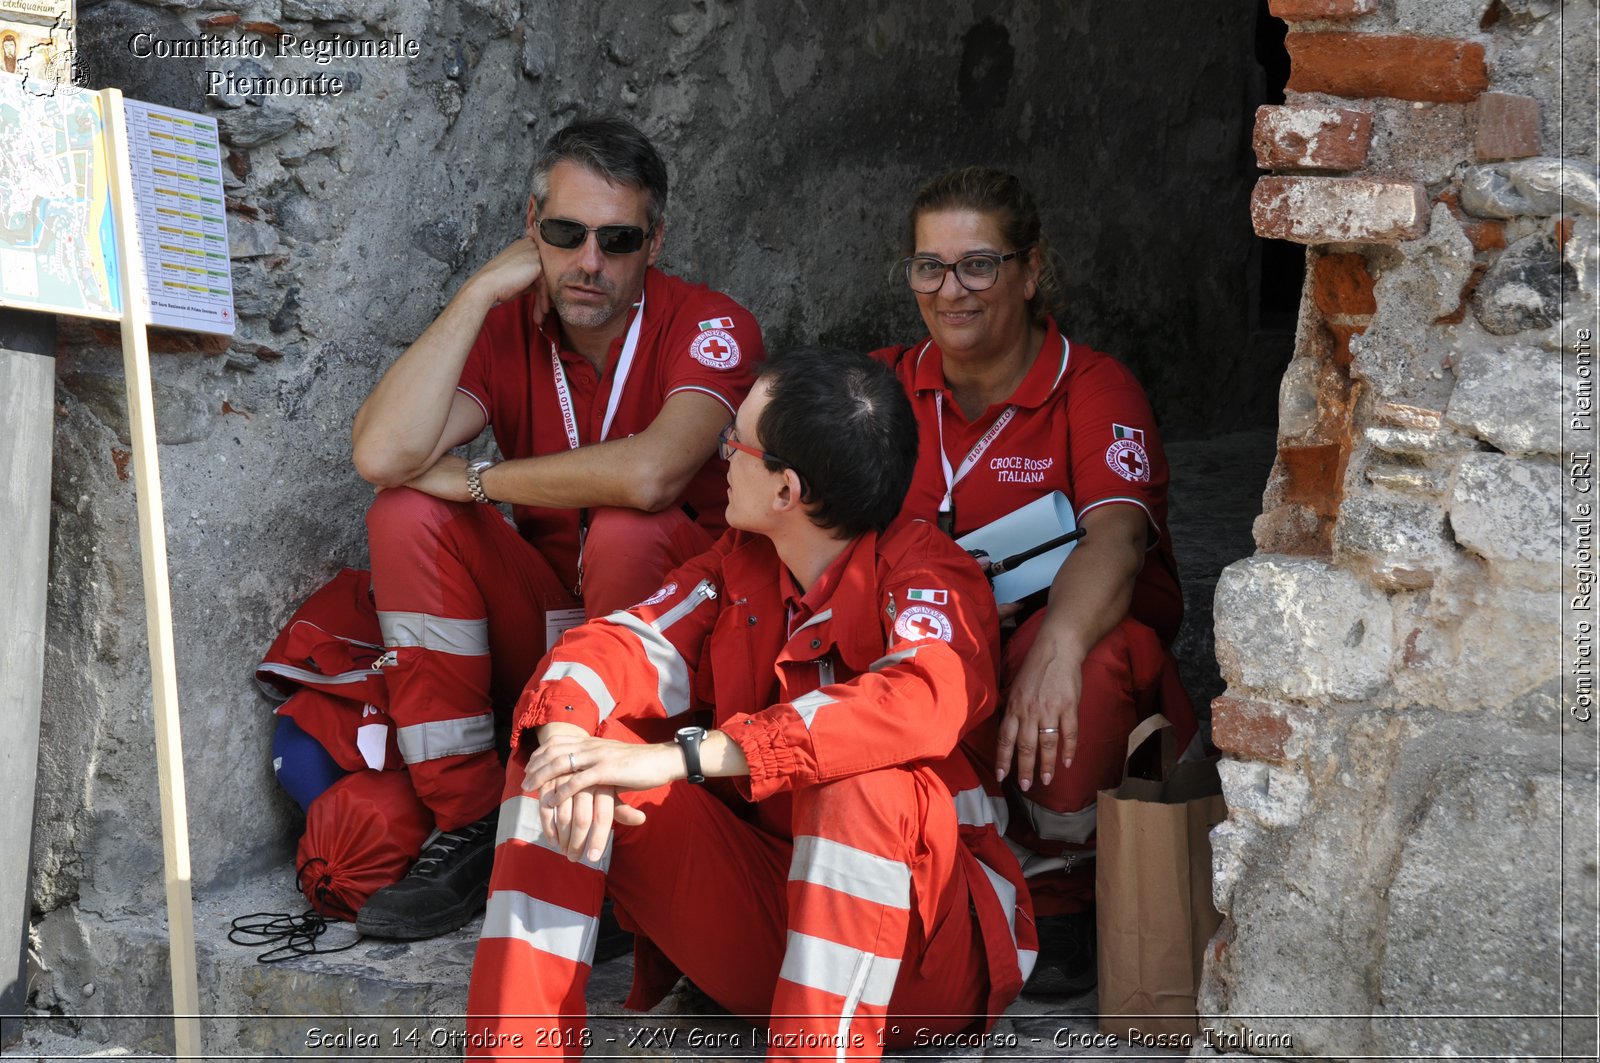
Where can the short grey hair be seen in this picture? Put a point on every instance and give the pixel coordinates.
(613, 148)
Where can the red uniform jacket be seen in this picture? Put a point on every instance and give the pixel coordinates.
(892, 669)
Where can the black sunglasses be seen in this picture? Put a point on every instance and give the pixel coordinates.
(612, 239)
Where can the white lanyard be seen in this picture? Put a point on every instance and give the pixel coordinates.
(619, 379)
(978, 448)
(951, 479)
(569, 420)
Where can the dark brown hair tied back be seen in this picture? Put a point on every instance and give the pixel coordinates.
(1001, 195)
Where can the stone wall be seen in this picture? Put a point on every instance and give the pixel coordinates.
(1410, 840)
(795, 135)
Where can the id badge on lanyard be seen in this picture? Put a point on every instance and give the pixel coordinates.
(569, 419)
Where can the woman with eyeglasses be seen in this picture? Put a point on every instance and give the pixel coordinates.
(1009, 410)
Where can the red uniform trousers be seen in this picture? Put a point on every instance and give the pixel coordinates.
(1128, 675)
(856, 933)
(461, 600)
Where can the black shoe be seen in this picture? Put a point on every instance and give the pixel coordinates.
(442, 892)
(1067, 961)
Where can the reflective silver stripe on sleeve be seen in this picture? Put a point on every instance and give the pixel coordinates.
(861, 874)
(585, 677)
(808, 704)
(445, 738)
(1007, 895)
(833, 968)
(892, 659)
(672, 675)
(975, 808)
(519, 821)
(465, 638)
(548, 927)
(1060, 826)
(308, 677)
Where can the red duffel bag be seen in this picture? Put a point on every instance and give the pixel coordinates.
(362, 834)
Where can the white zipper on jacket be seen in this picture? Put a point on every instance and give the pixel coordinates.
(704, 591)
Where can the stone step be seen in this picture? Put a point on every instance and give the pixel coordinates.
(404, 1000)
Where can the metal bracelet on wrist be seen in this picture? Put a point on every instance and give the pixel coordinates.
(475, 473)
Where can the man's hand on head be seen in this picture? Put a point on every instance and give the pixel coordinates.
(512, 272)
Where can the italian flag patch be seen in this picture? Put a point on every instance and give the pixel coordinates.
(932, 597)
(716, 322)
(1122, 431)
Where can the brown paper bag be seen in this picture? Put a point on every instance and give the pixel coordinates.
(1154, 913)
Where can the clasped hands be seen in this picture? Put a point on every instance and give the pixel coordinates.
(578, 779)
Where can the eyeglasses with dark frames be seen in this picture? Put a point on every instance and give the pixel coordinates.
(613, 239)
(976, 272)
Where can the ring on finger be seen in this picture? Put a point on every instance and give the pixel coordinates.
(572, 758)
(1049, 730)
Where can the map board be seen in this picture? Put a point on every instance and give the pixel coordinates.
(57, 232)
(58, 237)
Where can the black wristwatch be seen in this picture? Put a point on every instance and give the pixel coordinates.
(689, 739)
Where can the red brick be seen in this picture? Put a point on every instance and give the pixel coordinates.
(1485, 235)
(1255, 730)
(1341, 284)
(1508, 127)
(219, 20)
(266, 29)
(1306, 10)
(1338, 210)
(120, 459)
(1311, 138)
(1341, 343)
(1369, 65)
(1563, 232)
(1311, 476)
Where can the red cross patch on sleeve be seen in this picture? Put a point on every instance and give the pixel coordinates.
(1127, 458)
(922, 622)
(715, 349)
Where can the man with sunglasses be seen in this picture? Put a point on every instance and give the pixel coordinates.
(821, 859)
(605, 382)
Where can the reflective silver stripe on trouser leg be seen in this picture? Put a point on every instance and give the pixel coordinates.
(867, 877)
(445, 738)
(464, 638)
(434, 739)
(858, 976)
(864, 875)
(547, 927)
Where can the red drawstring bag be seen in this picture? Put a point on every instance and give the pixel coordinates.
(363, 833)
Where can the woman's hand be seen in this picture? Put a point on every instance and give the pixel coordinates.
(1040, 725)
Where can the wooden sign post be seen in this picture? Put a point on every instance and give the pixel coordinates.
(157, 588)
(99, 271)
